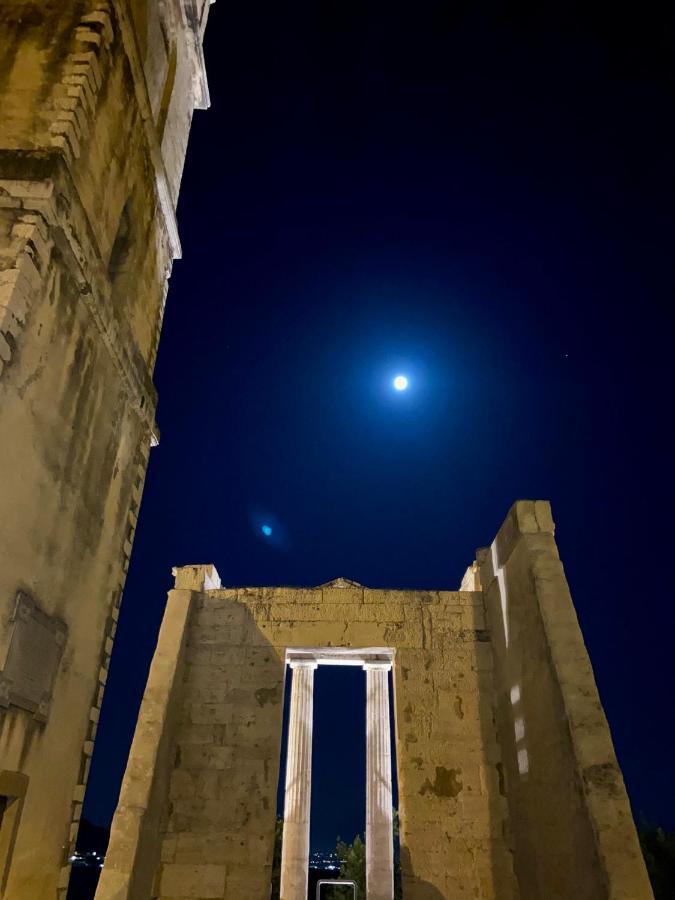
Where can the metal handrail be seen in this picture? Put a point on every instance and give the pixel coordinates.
(332, 881)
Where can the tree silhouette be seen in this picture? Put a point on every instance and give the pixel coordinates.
(658, 849)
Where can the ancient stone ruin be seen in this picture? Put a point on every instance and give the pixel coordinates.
(509, 786)
(508, 783)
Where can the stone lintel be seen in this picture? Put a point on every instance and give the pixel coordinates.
(375, 657)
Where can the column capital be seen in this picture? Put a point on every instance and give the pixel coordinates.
(303, 664)
(377, 664)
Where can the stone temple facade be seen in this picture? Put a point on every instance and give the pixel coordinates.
(509, 787)
(96, 101)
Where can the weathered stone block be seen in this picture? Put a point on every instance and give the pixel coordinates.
(200, 881)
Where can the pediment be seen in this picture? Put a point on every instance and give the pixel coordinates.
(341, 583)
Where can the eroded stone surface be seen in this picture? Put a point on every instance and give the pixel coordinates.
(220, 809)
(96, 99)
(508, 784)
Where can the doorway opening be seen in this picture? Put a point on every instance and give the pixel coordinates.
(338, 772)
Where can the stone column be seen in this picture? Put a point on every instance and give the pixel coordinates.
(295, 846)
(379, 812)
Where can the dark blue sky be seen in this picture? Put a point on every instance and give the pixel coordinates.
(482, 195)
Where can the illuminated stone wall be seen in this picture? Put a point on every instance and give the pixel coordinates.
(223, 790)
(219, 812)
(96, 101)
(573, 833)
(508, 783)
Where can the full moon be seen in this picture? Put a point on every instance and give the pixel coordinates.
(400, 382)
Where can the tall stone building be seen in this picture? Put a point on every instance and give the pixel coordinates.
(509, 788)
(96, 101)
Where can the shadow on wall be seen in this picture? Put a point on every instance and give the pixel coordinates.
(501, 841)
(197, 808)
(413, 887)
(224, 782)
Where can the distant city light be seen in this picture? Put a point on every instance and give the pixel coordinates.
(87, 859)
(266, 530)
(400, 382)
(322, 861)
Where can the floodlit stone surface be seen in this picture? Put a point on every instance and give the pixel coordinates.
(379, 808)
(508, 782)
(565, 789)
(298, 794)
(96, 99)
(221, 804)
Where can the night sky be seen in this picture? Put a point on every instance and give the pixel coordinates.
(479, 195)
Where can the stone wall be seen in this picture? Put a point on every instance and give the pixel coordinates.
(508, 784)
(220, 810)
(574, 835)
(87, 240)
(134, 849)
